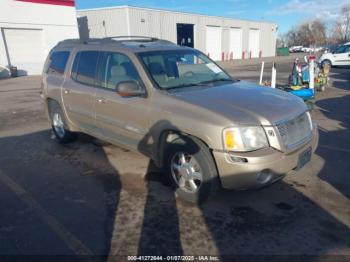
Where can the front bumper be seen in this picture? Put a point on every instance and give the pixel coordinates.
(262, 167)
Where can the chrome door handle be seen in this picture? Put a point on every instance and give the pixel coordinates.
(101, 100)
(66, 91)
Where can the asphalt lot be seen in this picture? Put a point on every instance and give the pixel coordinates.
(91, 198)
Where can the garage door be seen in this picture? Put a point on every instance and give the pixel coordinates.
(254, 45)
(236, 42)
(213, 42)
(26, 50)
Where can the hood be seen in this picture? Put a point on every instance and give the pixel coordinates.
(245, 103)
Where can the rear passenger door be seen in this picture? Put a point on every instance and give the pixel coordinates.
(120, 119)
(78, 91)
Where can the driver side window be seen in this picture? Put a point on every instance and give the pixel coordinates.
(116, 68)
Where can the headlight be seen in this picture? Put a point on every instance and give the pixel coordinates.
(245, 138)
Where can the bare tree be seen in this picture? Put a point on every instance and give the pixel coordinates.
(346, 16)
(280, 42)
(291, 37)
(318, 32)
(307, 34)
(341, 27)
(304, 34)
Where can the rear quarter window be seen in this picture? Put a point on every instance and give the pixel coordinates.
(58, 62)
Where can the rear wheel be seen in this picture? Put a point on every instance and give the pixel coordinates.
(58, 124)
(191, 169)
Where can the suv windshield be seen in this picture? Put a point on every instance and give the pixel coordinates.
(181, 68)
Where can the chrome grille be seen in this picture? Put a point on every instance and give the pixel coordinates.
(295, 132)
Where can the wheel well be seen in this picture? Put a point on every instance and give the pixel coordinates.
(169, 137)
(50, 101)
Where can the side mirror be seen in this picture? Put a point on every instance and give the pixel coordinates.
(129, 89)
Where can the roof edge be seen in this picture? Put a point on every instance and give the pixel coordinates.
(173, 11)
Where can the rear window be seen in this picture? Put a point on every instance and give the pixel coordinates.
(84, 67)
(58, 62)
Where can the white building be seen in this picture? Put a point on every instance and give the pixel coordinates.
(220, 38)
(30, 28)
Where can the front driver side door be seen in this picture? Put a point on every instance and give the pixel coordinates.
(120, 119)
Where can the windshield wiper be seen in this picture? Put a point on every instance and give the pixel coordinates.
(216, 80)
(204, 83)
(185, 85)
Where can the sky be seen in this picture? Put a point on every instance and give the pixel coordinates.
(285, 13)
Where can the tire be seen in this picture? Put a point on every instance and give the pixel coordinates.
(58, 124)
(326, 61)
(197, 158)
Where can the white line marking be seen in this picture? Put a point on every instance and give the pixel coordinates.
(68, 238)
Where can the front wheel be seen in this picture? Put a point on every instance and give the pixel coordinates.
(327, 62)
(191, 170)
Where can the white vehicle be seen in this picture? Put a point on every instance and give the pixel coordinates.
(306, 49)
(318, 49)
(339, 57)
(295, 49)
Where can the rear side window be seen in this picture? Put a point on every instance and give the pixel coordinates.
(58, 62)
(84, 67)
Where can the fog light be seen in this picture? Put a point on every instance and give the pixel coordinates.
(238, 159)
(264, 176)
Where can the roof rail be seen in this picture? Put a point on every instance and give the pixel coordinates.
(132, 37)
(74, 42)
(112, 39)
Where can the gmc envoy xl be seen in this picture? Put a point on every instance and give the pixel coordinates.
(205, 129)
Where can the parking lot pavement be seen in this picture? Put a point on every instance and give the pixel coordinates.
(93, 198)
(250, 69)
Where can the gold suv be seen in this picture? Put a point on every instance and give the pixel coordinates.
(178, 107)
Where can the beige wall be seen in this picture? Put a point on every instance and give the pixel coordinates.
(162, 24)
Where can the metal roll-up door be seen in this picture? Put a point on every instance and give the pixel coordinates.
(213, 42)
(236, 43)
(254, 43)
(25, 49)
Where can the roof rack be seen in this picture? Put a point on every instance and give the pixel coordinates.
(112, 39)
(75, 42)
(133, 38)
(139, 39)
